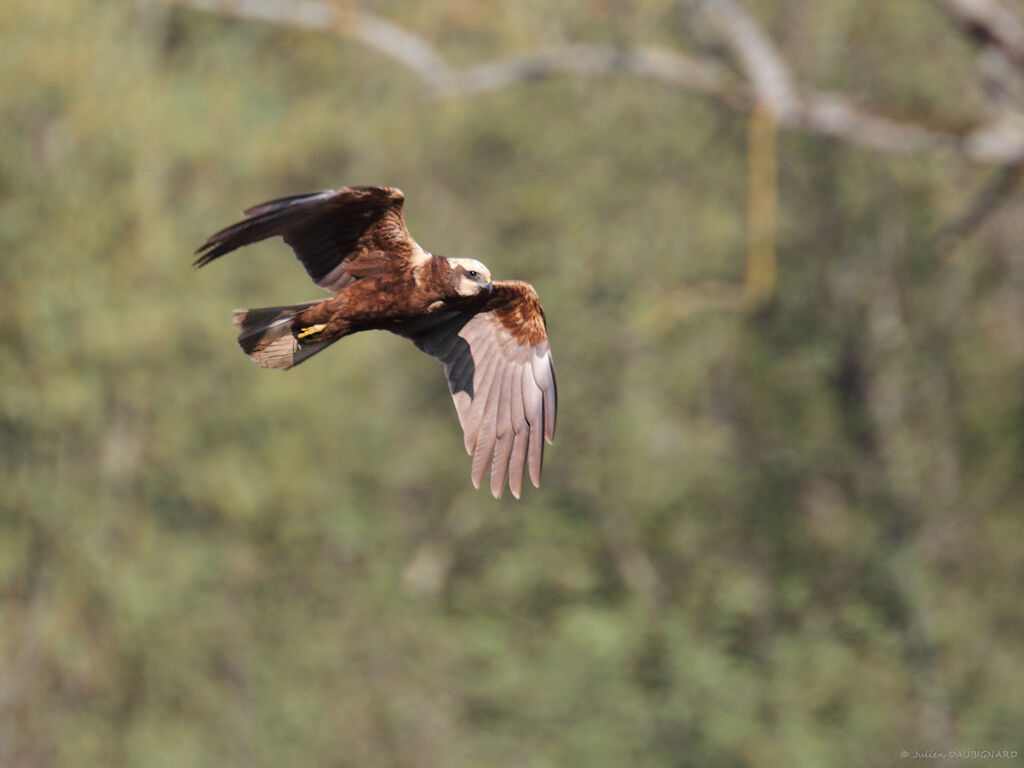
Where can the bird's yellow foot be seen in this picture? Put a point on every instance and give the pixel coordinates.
(311, 330)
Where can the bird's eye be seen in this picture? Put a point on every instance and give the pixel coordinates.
(473, 274)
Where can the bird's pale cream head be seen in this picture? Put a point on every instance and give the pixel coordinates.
(471, 277)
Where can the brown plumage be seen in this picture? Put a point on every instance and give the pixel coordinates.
(490, 337)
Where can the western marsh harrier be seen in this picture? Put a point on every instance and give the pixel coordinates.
(490, 337)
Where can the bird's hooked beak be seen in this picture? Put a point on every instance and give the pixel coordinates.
(490, 287)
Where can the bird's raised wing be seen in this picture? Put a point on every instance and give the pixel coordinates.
(338, 234)
(498, 364)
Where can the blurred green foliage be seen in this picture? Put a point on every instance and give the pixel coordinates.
(784, 537)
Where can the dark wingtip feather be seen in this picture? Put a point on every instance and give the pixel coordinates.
(244, 232)
(204, 256)
(212, 249)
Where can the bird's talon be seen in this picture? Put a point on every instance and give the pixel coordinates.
(311, 330)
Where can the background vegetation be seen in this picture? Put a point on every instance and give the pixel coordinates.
(776, 532)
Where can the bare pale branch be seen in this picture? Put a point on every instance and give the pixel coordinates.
(830, 114)
(310, 14)
(651, 63)
(403, 46)
(657, 64)
(386, 38)
(769, 81)
(761, 63)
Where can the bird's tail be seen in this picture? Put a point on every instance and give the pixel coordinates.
(269, 337)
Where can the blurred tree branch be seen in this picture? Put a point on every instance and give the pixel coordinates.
(768, 79)
(420, 57)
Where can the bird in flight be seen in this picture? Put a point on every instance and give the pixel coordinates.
(491, 337)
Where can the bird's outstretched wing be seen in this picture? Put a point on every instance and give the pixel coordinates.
(338, 234)
(498, 364)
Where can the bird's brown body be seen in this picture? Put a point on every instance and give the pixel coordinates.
(378, 301)
(491, 337)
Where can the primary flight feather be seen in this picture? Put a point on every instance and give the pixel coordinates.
(491, 337)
